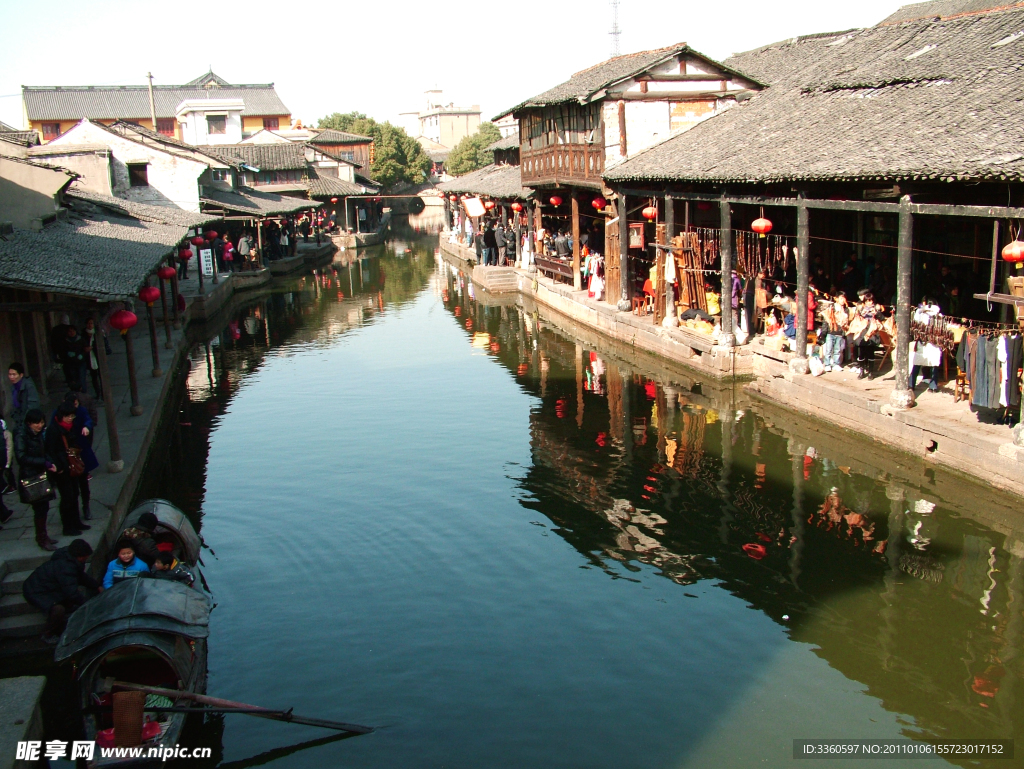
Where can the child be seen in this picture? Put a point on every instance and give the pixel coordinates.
(125, 566)
(166, 566)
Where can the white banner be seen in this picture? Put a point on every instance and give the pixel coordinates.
(206, 261)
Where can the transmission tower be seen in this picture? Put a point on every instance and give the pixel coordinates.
(616, 32)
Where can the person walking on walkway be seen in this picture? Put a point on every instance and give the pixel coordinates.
(490, 246)
(68, 469)
(24, 395)
(501, 243)
(244, 250)
(5, 460)
(92, 363)
(30, 449)
(53, 588)
(72, 358)
(80, 437)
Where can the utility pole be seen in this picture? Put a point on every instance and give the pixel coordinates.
(152, 104)
(616, 31)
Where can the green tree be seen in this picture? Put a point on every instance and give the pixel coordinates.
(397, 157)
(471, 153)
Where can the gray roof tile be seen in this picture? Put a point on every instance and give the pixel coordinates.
(496, 181)
(249, 201)
(330, 136)
(935, 9)
(918, 100)
(141, 211)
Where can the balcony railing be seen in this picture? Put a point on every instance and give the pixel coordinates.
(565, 163)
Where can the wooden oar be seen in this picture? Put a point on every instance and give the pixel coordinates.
(251, 710)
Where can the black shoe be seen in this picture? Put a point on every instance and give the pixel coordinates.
(86, 515)
(71, 532)
(49, 545)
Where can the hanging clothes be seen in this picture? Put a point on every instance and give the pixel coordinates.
(1014, 360)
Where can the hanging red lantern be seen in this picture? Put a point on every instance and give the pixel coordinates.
(1014, 252)
(599, 203)
(185, 253)
(517, 206)
(555, 201)
(334, 200)
(166, 273)
(198, 242)
(650, 213)
(755, 551)
(761, 226)
(489, 204)
(210, 235)
(149, 294)
(453, 198)
(123, 320)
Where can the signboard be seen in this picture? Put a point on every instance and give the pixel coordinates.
(636, 234)
(206, 260)
(474, 207)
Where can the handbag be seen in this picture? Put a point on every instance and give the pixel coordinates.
(35, 488)
(76, 466)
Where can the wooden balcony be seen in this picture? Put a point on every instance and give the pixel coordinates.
(580, 164)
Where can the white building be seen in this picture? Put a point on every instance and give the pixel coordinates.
(210, 121)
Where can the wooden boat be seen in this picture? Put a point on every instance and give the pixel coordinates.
(175, 532)
(151, 632)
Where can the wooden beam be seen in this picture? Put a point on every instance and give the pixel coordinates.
(803, 238)
(681, 78)
(728, 336)
(902, 396)
(46, 306)
(678, 95)
(623, 147)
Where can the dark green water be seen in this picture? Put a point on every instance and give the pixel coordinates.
(510, 547)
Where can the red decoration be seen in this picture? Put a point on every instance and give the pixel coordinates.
(166, 273)
(334, 200)
(599, 203)
(489, 204)
(198, 241)
(210, 235)
(185, 253)
(555, 201)
(761, 226)
(453, 198)
(755, 551)
(123, 320)
(1014, 252)
(517, 206)
(149, 294)
(650, 213)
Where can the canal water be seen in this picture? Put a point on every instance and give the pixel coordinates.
(509, 543)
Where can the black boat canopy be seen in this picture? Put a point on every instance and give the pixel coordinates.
(141, 604)
(170, 518)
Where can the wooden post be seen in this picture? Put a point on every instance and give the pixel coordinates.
(133, 384)
(199, 270)
(518, 230)
(623, 256)
(531, 237)
(116, 464)
(259, 241)
(798, 364)
(728, 336)
(577, 279)
(41, 352)
(902, 396)
(623, 146)
(175, 290)
(167, 318)
(670, 232)
(157, 371)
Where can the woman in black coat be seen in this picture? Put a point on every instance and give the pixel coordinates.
(58, 440)
(30, 449)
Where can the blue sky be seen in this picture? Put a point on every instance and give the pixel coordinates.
(378, 58)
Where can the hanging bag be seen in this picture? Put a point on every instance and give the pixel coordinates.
(76, 467)
(35, 488)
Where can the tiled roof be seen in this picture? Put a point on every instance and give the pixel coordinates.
(135, 132)
(330, 136)
(249, 201)
(936, 9)
(323, 185)
(94, 255)
(509, 142)
(131, 102)
(21, 138)
(584, 85)
(917, 100)
(141, 211)
(4, 127)
(266, 157)
(496, 181)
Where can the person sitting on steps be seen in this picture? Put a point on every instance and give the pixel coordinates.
(53, 588)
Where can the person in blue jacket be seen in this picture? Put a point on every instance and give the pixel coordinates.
(125, 566)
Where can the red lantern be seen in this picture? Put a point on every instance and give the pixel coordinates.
(761, 226)
(166, 273)
(650, 213)
(517, 206)
(149, 294)
(599, 203)
(334, 200)
(755, 551)
(453, 198)
(198, 241)
(185, 253)
(1014, 252)
(489, 204)
(123, 320)
(555, 201)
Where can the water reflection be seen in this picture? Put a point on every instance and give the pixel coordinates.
(895, 582)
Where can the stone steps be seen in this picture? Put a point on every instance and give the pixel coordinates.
(12, 583)
(22, 625)
(14, 605)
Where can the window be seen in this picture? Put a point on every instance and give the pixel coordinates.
(50, 131)
(270, 123)
(216, 124)
(347, 155)
(165, 126)
(138, 174)
(221, 175)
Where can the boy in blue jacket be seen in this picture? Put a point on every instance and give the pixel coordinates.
(125, 566)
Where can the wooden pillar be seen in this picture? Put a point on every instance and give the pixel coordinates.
(167, 318)
(798, 365)
(670, 232)
(902, 396)
(41, 353)
(577, 279)
(175, 290)
(116, 464)
(133, 384)
(728, 337)
(623, 256)
(199, 271)
(259, 240)
(518, 230)
(154, 345)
